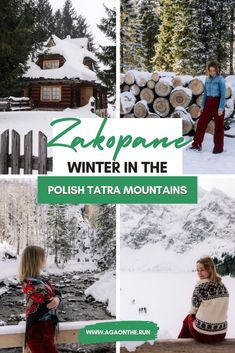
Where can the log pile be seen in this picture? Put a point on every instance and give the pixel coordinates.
(165, 95)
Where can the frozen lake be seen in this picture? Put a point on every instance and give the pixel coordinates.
(167, 297)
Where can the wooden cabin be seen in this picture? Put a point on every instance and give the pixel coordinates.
(62, 76)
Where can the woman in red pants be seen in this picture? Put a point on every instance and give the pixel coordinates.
(42, 301)
(207, 321)
(212, 106)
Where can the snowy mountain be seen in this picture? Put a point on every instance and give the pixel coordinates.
(205, 228)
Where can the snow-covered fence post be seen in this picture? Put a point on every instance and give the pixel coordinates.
(4, 152)
(15, 152)
(28, 152)
(42, 153)
(28, 162)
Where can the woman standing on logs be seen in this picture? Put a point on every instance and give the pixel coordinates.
(207, 321)
(212, 106)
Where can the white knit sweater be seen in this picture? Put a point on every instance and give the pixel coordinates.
(210, 305)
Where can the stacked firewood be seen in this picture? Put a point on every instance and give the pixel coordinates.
(165, 95)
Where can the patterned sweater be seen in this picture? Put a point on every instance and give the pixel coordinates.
(38, 292)
(210, 305)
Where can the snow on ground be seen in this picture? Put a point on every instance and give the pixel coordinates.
(167, 297)
(9, 268)
(24, 121)
(153, 257)
(6, 248)
(204, 162)
(112, 111)
(70, 266)
(104, 290)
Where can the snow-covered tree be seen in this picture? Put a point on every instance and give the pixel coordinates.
(105, 237)
(69, 23)
(163, 58)
(68, 17)
(62, 230)
(107, 54)
(16, 42)
(131, 36)
(57, 23)
(149, 20)
(44, 22)
(192, 33)
(57, 240)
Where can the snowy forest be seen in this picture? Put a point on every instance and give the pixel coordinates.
(26, 24)
(179, 36)
(78, 233)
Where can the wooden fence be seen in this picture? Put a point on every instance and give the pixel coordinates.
(184, 346)
(15, 104)
(27, 161)
(12, 336)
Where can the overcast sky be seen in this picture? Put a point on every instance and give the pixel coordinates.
(226, 184)
(92, 10)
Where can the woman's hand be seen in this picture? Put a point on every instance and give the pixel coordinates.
(220, 113)
(54, 302)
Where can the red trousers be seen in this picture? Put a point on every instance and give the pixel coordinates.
(210, 111)
(40, 337)
(188, 331)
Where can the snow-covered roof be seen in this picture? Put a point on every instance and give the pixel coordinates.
(74, 50)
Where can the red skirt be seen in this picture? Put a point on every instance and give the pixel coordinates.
(188, 331)
(40, 337)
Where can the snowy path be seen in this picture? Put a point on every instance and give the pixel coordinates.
(167, 299)
(204, 162)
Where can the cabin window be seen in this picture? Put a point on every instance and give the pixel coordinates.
(51, 93)
(51, 64)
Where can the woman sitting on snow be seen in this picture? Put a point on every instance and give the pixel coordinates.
(42, 301)
(207, 321)
(212, 106)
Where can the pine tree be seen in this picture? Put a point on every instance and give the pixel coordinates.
(131, 36)
(69, 23)
(57, 23)
(221, 17)
(82, 30)
(56, 240)
(105, 238)
(191, 34)
(149, 19)
(186, 55)
(163, 59)
(107, 55)
(44, 22)
(68, 20)
(16, 42)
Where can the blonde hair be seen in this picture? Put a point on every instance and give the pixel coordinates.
(31, 262)
(209, 266)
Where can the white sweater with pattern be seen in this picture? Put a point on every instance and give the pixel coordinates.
(210, 305)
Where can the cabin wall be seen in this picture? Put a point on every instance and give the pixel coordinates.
(72, 95)
(66, 96)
